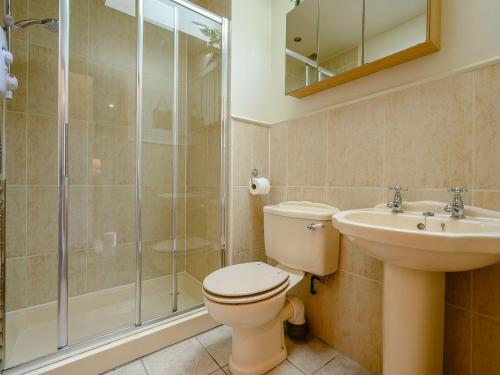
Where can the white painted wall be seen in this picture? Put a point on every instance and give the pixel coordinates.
(251, 59)
(470, 35)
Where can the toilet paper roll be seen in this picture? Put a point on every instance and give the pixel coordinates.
(259, 186)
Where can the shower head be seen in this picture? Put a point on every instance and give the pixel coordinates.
(50, 24)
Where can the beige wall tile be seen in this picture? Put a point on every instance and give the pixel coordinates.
(213, 212)
(16, 225)
(349, 323)
(485, 344)
(42, 224)
(317, 195)
(428, 135)
(487, 132)
(241, 152)
(77, 219)
(356, 144)
(114, 85)
(279, 154)
(260, 149)
(80, 89)
(351, 198)
(241, 221)
(485, 300)
(155, 263)
(458, 288)
(111, 155)
(354, 261)
(196, 215)
(42, 150)
(277, 195)
(307, 145)
(487, 199)
(42, 92)
(111, 209)
(257, 203)
(16, 284)
(15, 137)
(197, 158)
(110, 267)
(156, 164)
(213, 156)
(42, 279)
(156, 214)
(457, 343)
(78, 144)
(112, 35)
(77, 272)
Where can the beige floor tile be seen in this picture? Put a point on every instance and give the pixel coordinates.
(342, 365)
(133, 368)
(284, 368)
(218, 372)
(186, 357)
(218, 343)
(311, 356)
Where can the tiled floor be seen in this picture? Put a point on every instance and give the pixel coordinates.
(208, 354)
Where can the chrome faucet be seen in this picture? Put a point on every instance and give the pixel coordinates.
(397, 203)
(456, 208)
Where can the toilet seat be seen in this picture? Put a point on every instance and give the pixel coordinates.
(245, 283)
(246, 299)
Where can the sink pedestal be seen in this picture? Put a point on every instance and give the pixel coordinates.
(413, 321)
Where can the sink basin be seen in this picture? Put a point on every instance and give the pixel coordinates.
(417, 251)
(436, 243)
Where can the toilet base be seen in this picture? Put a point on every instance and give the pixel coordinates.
(257, 350)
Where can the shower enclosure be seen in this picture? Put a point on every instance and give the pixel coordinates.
(113, 169)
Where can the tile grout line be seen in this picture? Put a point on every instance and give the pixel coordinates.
(144, 365)
(204, 348)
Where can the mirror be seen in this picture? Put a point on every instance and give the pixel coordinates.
(330, 42)
(340, 36)
(302, 45)
(392, 26)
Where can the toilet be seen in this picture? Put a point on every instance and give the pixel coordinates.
(252, 297)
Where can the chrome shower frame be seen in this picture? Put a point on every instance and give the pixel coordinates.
(64, 350)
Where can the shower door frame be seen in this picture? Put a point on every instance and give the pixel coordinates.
(64, 349)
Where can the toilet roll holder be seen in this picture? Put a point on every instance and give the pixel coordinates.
(254, 174)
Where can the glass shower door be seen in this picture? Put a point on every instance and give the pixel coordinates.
(102, 181)
(181, 156)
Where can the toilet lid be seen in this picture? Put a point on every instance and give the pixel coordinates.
(244, 279)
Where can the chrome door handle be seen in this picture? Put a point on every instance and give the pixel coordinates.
(313, 226)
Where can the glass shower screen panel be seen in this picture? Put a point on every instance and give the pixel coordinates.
(102, 149)
(158, 151)
(201, 123)
(181, 156)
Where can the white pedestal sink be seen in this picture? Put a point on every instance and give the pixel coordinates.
(415, 262)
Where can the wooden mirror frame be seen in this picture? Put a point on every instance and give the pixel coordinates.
(432, 44)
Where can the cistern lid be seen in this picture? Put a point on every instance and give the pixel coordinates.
(302, 210)
(244, 279)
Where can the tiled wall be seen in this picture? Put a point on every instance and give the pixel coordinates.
(249, 149)
(428, 137)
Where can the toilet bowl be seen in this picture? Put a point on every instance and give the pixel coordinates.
(252, 297)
